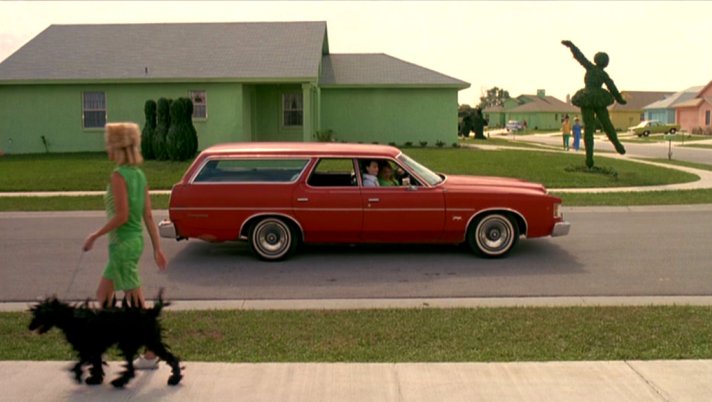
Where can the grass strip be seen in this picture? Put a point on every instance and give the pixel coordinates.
(677, 197)
(410, 335)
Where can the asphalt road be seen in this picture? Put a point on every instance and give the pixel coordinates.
(609, 252)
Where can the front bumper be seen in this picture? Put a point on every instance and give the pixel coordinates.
(561, 229)
(167, 229)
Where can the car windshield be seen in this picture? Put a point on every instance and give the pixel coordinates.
(426, 174)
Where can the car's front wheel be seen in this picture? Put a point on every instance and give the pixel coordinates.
(493, 235)
(646, 133)
(272, 239)
(673, 130)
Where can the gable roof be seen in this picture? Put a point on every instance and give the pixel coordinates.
(535, 103)
(380, 70)
(636, 100)
(251, 51)
(694, 102)
(678, 97)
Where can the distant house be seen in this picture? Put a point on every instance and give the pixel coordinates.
(630, 114)
(695, 113)
(266, 81)
(540, 111)
(664, 110)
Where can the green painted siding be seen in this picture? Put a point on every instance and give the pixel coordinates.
(542, 120)
(28, 112)
(390, 115)
(268, 114)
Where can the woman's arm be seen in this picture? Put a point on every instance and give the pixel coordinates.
(577, 54)
(158, 255)
(121, 207)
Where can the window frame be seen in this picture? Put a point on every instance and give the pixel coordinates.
(299, 96)
(192, 95)
(85, 110)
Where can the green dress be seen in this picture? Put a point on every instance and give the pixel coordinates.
(126, 241)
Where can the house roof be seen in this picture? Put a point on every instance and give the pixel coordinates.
(678, 97)
(380, 70)
(253, 51)
(535, 103)
(636, 100)
(694, 102)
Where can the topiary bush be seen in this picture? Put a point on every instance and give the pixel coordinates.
(181, 141)
(149, 130)
(163, 122)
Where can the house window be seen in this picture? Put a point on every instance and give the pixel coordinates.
(200, 104)
(94, 109)
(292, 109)
(707, 118)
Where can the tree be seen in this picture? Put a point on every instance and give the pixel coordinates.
(494, 97)
(471, 120)
(149, 130)
(163, 122)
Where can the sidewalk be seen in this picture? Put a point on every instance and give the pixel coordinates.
(602, 381)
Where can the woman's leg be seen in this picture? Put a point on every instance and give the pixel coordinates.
(589, 121)
(105, 292)
(608, 128)
(135, 297)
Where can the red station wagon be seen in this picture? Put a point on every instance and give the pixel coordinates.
(278, 195)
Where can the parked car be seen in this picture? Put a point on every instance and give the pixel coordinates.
(647, 127)
(278, 195)
(514, 125)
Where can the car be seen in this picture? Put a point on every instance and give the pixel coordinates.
(514, 125)
(647, 127)
(276, 196)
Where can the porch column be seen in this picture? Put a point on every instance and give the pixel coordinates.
(308, 112)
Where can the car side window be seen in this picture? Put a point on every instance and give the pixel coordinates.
(333, 172)
(251, 170)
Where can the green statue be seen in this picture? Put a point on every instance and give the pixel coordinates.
(594, 100)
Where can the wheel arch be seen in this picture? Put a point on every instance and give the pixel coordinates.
(521, 221)
(245, 227)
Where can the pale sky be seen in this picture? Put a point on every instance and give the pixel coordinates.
(653, 45)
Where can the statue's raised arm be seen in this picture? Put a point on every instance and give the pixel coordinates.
(577, 54)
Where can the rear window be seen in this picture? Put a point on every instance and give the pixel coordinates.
(251, 170)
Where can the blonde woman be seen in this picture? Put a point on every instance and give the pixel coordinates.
(127, 203)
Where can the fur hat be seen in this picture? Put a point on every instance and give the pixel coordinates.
(124, 141)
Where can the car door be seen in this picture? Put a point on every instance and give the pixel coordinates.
(327, 203)
(403, 214)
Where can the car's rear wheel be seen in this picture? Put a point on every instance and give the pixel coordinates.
(492, 235)
(646, 133)
(673, 130)
(272, 239)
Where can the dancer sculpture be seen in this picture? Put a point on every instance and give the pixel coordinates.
(594, 100)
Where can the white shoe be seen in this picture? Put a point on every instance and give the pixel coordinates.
(141, 363)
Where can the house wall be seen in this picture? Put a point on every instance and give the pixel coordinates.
(687, 118)
(662, 115)
(268, 114)
(28, 112)
(623, 119)
(387, 115)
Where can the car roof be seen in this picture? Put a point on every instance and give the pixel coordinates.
(303, 148)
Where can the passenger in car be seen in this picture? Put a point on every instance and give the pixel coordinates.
(370, 175)
(385, 176)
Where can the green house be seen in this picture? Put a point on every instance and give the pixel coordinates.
(271, 81)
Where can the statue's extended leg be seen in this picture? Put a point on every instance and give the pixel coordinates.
(610, 131)
(589, 121)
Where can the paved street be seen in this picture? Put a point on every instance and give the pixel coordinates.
(609, 252)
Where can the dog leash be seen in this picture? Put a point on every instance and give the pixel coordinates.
(74, 275)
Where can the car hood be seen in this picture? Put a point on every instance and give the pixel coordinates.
(455, 182)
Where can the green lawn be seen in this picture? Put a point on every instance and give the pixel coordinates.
(410, 335)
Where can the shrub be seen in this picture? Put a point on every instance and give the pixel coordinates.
(149, 129)
(423, 144)
(393, 144)
(163, 122)
(188, 117)
(439, 143)
(180, 138)
(408, 144)
(456, 144)
(325, 135)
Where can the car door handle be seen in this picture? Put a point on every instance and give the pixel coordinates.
(374, 200)
(302, 199)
